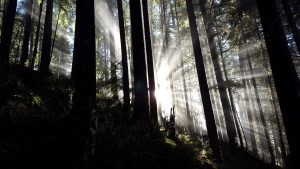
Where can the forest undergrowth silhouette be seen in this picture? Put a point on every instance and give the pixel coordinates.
(37, 133)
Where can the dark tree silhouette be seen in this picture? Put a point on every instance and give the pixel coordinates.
(7, 30)
(85, 76)
(19, 43)
(291, 22)
(231, 133)
(204, 91)
(113, 64)
(165, 23)
(37, 36)
(46, 46)
(151, 78)
(56, 26)
(126, 106)
(85, 79)
(237, 120)
(141, 107)
(275, 107)
(284, 73)
(15, 42)
(27, 31)
(260, 109)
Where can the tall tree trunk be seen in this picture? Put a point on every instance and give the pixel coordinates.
(113, 66)
(278, 122)
(207, 106)
(150, 66)
(231, 132)
(166, 23)
(141, 107)
(18, 47)
(130, 60)
(85, 78)
(7, 30)
(291, 22)
(174, 17)
(186, 101)
(55, 31)
(257, 98)
(15, 40)
(260, 109)
(37, 36)
(30, 47)
(247, 105)
(161, 27)
(284, 73)
(276, 109)
(27, 31)
(238, 123)
(126, 106)
(46, 46)
(105, 58)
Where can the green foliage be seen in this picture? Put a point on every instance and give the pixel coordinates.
(23, 95)
(36, 100)
(185, 138)
(171, 142)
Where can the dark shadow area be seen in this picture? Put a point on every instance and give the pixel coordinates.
(36, 132)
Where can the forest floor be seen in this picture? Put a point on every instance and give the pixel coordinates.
(34, 133)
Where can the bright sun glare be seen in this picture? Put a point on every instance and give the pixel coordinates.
(163, 92)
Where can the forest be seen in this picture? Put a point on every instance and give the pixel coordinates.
(152, 84)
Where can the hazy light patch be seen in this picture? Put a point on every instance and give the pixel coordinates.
(105, 20)
(256, 75)
(163, 92)
(64, 69)
(170, 75)
(58, 53)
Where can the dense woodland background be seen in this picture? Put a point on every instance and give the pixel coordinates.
(96, 84)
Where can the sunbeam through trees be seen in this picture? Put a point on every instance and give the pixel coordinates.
(149, 84)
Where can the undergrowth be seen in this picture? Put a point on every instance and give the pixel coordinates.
(35, 132)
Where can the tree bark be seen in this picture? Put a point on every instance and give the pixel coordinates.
(247, 105)
(7, 30)
(231, 132)
(239, 126)
(275, 107)
(27, 31)
(46, 46)
(150, 66)
(284, 73)
(18, 46)
(55, 31)
(186, 101)
(37, 36)
(113, 66)
(260, 110)
(165, 23)
(207, 106)
(291, 22)
(83, 109)
(141, 107)
(15, 40)
(126, 106)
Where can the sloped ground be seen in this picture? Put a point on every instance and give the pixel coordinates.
(35, 133)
